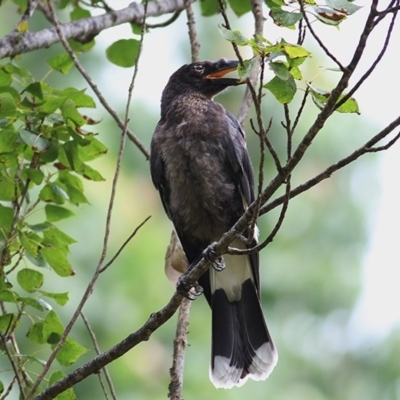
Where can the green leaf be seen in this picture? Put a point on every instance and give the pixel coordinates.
(73, 186)
(8, 296)
(9, 141)
(79, 97)
(321, 97)
(79, 47)
(5, 78)
(283, 91)
(35, 175)
(52, 328)
(1, 387)
(92, 150)
(285, 18)
(280, 70)
(60, 298)
(70, 351)
(7, 106)
(123, 52)
(8, 322)
(233, 36)
(31, 243)
(274, 4)
(58, 238)
(240, 7)
(31, 302)
(35, 333)
(69, 112)
(8, 189)
(209, 7)
(36, 143)
(30, 279)
(79, 13)
(343, 6)
(6, 219)
(56, 213)
(61, 63)
(67, 394)
(57, 260)
(35, 89)
(295, 51)
(89, 173)
(249, 66)
(52, 193)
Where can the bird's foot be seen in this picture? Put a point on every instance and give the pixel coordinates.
(209, 255)
(190, 292)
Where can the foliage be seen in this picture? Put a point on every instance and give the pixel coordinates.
(45, 148)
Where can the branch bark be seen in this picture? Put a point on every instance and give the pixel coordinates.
(84, 29)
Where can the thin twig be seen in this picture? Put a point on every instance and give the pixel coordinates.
(191, 23)
(164, 24)
(318, 40)
(98, 351)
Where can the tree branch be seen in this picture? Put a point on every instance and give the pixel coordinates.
(84, 29)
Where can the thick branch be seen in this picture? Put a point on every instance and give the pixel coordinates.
(84, 29)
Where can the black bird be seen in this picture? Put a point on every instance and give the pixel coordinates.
(201, 167)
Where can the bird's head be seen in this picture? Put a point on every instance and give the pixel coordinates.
(205, 77)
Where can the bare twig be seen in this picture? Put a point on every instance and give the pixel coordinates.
(317, 39)
(194, 42)
(169, 21)
(98, 351)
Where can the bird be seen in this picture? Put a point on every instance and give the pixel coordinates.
(200, 165)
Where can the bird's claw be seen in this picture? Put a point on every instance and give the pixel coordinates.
(209, 255)
(190, 292)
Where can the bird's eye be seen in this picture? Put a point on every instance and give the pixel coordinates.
(198, 68)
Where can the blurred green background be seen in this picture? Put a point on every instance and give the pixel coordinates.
(311, 274)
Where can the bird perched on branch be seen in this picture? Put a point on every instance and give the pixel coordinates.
(201, 167)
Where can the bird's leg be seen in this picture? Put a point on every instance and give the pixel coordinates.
(209, 255)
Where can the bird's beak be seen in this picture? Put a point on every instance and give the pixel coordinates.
(223, 67)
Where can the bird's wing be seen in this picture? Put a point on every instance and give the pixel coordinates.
(157, 170)
(239, 159)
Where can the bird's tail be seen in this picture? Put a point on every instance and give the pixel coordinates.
(242, 347)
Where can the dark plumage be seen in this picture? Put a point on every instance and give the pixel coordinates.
(201, 167)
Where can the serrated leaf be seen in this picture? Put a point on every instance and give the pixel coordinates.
(285, 18)
(35, 142)
(240, 7)
(70, 352)
(123, 52)
(30, 279)
(61, 63)
(283, 91)
(57, 260)
(233, 36)
(59, 298)
(280, 70)
(30, 242)
(52, 193)
(343, 6)
(56, 213)
(67, 394)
